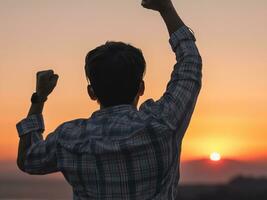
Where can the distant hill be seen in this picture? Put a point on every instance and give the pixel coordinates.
(239, 188)
(210, 172)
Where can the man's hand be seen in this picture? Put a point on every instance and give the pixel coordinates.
(158, 5)
(46, 81)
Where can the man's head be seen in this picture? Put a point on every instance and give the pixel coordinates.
(115, 71)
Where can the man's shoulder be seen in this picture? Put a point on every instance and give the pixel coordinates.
(150, 108)
(74, 123)
(70, 131)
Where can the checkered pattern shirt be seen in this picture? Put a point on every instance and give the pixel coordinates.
(121, 152)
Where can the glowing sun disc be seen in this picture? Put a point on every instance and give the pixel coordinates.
(215, 156)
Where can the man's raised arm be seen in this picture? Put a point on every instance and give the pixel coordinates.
(176, 105)
(35, 155)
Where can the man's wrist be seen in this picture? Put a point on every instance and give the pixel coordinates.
(38, 98)
(166, 8)
(171, 18)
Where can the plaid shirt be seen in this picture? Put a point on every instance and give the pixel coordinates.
(121, 152)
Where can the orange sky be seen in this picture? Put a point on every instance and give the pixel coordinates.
(232, 109)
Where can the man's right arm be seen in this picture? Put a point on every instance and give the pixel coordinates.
(176, 105)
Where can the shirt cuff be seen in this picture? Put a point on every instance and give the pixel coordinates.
(183, 33)
(32, 123)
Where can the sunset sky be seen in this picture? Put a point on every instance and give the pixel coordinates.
(231, 113)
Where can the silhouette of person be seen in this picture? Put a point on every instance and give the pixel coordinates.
(119, 152)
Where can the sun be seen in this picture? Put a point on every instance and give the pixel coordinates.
(215, 156)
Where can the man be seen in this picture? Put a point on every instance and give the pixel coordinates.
(120, 152)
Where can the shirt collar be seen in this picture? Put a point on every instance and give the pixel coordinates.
(114, 110)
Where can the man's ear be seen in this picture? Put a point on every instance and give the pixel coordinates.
(91, 93)
(141, 88)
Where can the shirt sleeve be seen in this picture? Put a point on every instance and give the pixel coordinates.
(41, 157)
(176, 106)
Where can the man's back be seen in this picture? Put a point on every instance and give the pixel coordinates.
(133, 156)
(120, 152)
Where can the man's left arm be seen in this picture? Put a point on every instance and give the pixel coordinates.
(35, 155)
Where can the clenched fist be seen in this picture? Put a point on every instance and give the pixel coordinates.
(158, 5)
(46, 81)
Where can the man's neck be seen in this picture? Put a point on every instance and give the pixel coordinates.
(102, 107)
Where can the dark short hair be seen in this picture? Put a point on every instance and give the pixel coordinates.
(115, 71)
